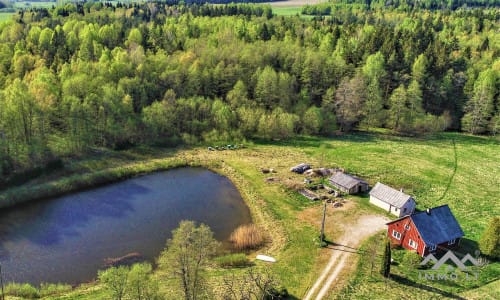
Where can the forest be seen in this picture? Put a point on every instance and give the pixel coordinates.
(90, 75)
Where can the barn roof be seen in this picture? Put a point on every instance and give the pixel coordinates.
(346, 180)
(389, 195)
(437, 226)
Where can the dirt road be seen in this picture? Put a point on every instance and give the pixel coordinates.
(346, 246)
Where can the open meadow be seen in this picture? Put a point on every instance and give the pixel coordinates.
(5, 16)
(451, 168)
(291, 7)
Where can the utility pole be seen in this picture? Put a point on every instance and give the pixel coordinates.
(1, 282)
(322, 236)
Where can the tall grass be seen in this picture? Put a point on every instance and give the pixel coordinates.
(27, 291)
(247, 237)
(233, 260)
(23, 290)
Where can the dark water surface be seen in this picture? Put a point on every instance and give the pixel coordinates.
(66, 239)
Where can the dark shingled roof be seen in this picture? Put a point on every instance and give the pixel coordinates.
(437, 227)
(389, 195)
(346, 180)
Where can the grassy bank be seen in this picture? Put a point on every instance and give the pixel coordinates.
(287, 11)
(456, 169)
(85, 179)
(5, 16)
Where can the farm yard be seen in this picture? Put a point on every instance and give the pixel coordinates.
(436, 169)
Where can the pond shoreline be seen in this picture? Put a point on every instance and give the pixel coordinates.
(79, 182)
(114, 224)
(62, 186)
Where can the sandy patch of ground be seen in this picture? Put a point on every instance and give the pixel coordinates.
(342, 249)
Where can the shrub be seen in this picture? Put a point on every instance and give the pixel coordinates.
(277, 293)
(489, 244)
(246, 237)
(48, 289)
(412, 259)
(115, 280)
(23, 290)
(233, 260)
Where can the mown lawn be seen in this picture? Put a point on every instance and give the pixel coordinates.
(456, 169)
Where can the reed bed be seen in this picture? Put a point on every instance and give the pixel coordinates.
(247, 237)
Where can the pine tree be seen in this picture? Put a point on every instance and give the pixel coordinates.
(385, 268)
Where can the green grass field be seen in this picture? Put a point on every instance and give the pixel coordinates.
(287, 11)
(451, 168)
(5, 16)
(28, 4)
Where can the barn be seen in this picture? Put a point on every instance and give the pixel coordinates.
(392, 200)
(348, 184)
(427, 231)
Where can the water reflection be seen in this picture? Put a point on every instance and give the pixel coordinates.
(66, 239)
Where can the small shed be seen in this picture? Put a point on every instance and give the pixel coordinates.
(392, 200)
(427, 231)
(348, 184)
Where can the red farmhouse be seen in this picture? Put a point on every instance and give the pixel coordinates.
(426, 231)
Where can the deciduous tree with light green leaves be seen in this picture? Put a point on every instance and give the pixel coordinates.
(115, 280)
(480, 107)
(374, 73)
(186, 257)
(141, 285)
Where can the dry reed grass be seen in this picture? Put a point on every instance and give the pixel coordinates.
(247, 237)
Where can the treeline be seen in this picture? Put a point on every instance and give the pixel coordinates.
(331, 7)
(108, 76)
(421, 4)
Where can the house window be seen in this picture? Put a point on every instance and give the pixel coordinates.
(404, 209)
(396, 234)
(413, 244)
(432, 248)
(407, 227)
(395, 209)
(451, 242)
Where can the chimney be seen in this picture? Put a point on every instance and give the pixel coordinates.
(401, 190)
(428, 211)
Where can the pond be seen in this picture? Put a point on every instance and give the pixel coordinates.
(67, 239)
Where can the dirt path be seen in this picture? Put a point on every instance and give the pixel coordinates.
(365, 227)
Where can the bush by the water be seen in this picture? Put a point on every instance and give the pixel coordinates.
(23, 290)
(27, 291)
(233, 260)
(247, 237)
(49, 289)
